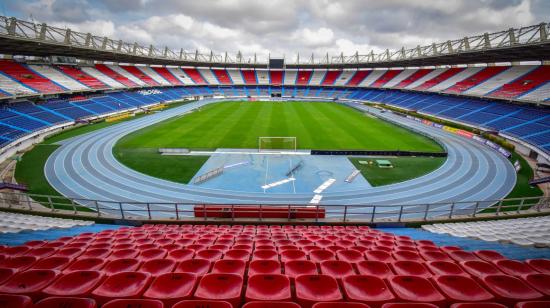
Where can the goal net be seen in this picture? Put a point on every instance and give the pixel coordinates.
(276, 144)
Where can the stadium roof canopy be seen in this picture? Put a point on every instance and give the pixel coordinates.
(19, 37)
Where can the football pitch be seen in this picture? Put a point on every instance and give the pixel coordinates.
(327, 126)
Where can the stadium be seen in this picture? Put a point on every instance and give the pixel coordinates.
(141, 169)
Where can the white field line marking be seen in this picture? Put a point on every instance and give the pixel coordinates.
(316, 199)
(292, 174)
(281, 182)
(236, 164)
(244, 153)
(266, 171)
(324, 186)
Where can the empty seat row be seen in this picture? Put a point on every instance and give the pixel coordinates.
(13, 223)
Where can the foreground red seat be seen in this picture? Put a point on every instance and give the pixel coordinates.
(266, 287)
(374, 268)
(350, 255)
(30, 282)
(462, 256)
(462, 289)
(409, 305)
(311, 289)
(445, 268)
(179, 255)
(19, 263)
(320, 255)
(121, 265)
(533, 304)
(76, 284)
(157, 267)
(292, 255)
(435, 256)
(336, 269)
(480, 268)
(340, 304)
(265, 304)
(121, 286)
(489, 255)
(65, 302)
(5, 274)
(264, 267)
(153, 253)
(540, 265)
(134, 303)
(198, 267)
(237, 254)
(477, 305)
(53, 263)
(514, 267)
(540, 282)
(265, 255)
(224, 287)
(211, 255)
(171, 288)
(415, 289)
(229, 267)
(86, 264)
(509, 290)
(378, 255)
(202, 304)
(366, 289)
(18, 301)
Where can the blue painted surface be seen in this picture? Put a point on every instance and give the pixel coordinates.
(511, 251)
(14, 239)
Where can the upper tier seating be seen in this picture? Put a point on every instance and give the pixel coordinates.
(154, 74)
(195, 76)
(82, 77)
(331, 77)
(510, 74)
(303, 77)
(520, 231)
(276, 77)
(13, 223)
(118, 74)
(344, 77)
(58, 77)
(209, 76)
(167, 75)
(263, 77)
(386, 77)
(23, 74)
(136, 75)
(222, 76)
(92, 71)
(439, 78)
(525, 83)
(317, 77)
(255, 266)
(416, 74)
(358, 78)
(373, 76)
(249, 76)
(236, 76)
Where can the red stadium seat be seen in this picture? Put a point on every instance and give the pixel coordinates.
(266, 287)
(86, 264)
(202, 304)
(459, 288)
(379, 255)
(480, 268)
(319, 255)
(514, 267)
(41, 252)
(374, 268)
(158, 267)
(540, 282)
(171, 288)
(237, 254)
(100, 253)
(265, 255)
(435, 256)
(30, 282)
(445, 268)
(198, 267)
(134, 303)
(336, 268)
(121, 265)
(267, 304)
(123, 254)
(66, 302)
(224, 287)
(463, 256)
(405, 255)
(478, 305)
(121, 286)
(229, 267)
(540, 265)
(367, 289)
(489, 255)
(19, 263)
(179, 255)
(211, 255)
(77, 284)
(340, 305)
(71, 253)
(415, 289)
(311, 289)
(411, 268)
(508, 289)
(15, 301)
(296, 268)
(533, 304)
(53, 263)
(264, 267)
(350, 255)
(292, 255)
(409, 305)
(150, 254)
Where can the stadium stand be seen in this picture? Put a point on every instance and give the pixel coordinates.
(136, 75)
(23, 74)
(250, 265)
(14, 223)
(222, 76)
(520, 231)
(249, 76)
(95, 73)
(82, 77)
(166, 75)
(58, 77)
(120, 75)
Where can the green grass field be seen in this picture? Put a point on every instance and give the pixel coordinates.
(239, 124)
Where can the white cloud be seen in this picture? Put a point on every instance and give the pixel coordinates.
(312, 38)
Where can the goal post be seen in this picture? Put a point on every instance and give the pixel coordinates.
(277, 144)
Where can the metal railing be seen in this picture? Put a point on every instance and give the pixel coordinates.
(11, 27)
(373, 213)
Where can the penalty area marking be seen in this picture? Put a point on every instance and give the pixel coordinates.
(324, 186)
(281, 182)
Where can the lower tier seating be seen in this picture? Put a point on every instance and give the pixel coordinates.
(211, 266)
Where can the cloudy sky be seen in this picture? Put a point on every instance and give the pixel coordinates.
(282, 27)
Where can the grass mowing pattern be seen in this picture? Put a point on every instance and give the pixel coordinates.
(404, 168)
(239, 124)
